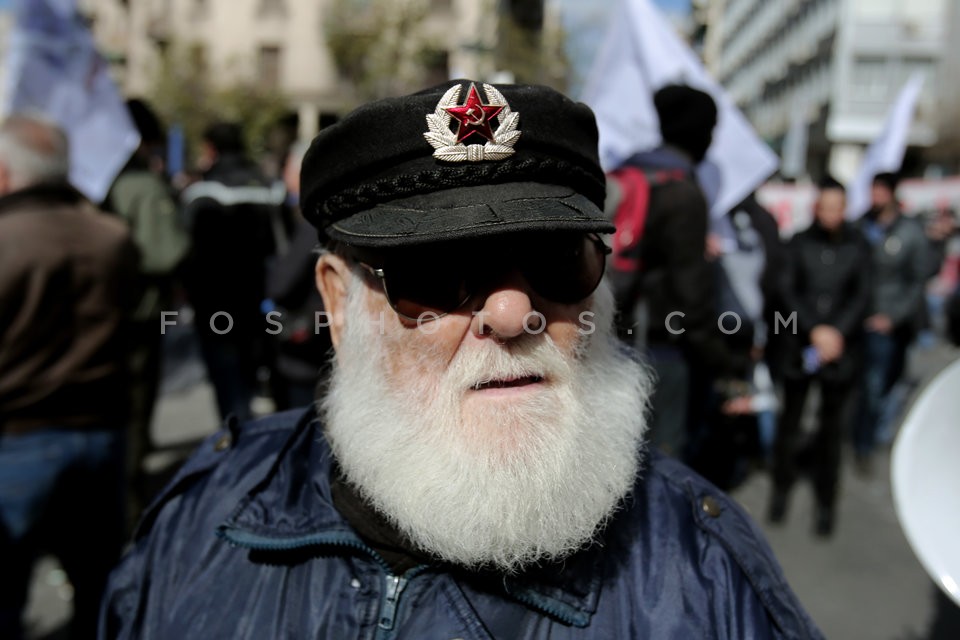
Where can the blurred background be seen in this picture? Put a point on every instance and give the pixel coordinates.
(841, 61)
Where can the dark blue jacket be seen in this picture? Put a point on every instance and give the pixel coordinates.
(245, 543)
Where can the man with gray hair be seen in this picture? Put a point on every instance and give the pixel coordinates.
(67, 281)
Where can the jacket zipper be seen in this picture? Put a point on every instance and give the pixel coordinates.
(239, 538)
(563, 616)
(388, 612)
(394, 585)
(393, 589)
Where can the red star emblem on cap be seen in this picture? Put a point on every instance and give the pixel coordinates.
(474, 116)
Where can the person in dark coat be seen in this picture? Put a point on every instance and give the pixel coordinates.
(235, 224)
(826, 292)
(68, 286)
(900, 267)
(679, 289)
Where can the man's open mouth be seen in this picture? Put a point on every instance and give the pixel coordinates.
(506, 383)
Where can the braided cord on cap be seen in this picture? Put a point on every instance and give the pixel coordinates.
(545, 170)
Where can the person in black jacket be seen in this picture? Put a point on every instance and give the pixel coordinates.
(684, 345)
(234, 217)
(826, 291)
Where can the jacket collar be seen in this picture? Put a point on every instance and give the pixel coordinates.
(847, 232)
(41, 195)
(666, 157)
(871, 217)
(299, 480)
(299, 483)
(235, 169)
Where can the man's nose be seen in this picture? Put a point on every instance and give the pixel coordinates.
(507, 311)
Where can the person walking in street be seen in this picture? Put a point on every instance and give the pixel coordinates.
(68, 284)
(825, 289)
(899, 269)
(678, 285)
(233, 211)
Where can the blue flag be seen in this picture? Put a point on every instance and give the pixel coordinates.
(53, 69)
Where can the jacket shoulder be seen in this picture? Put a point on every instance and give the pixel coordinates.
(178, 528)
(133, 185)
(235, 446)
(108, 228)
(725, 523)
(911, 227)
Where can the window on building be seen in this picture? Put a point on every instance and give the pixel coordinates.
(913, 65)
(268, 8)
(198, 57)
(200, 8)
(163, 47)
(268, 66)
(870, 76)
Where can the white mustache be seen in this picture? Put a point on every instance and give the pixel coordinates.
(537, 359)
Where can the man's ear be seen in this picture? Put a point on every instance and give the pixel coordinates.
(333, 276)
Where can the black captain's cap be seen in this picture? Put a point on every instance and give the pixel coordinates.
(460, 160)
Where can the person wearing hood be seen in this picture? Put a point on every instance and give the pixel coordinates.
(678, 286)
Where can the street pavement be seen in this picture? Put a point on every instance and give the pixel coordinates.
(863, 583)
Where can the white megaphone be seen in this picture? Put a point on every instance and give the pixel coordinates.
(925, 473)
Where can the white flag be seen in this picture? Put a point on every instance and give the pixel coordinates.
(53, 69)
(885, 154)
(640, 54)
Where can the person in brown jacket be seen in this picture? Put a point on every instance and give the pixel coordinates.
(67, 284)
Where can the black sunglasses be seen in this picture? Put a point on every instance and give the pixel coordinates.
(426, 284)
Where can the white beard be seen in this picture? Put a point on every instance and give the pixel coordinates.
(481, 483)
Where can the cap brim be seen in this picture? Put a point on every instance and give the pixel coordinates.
(471, 212)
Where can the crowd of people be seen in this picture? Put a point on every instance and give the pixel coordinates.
(739, 324)
(82, 289)
(476, 445)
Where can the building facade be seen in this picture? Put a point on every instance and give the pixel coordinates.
(833, 65)
(308, 50)
(949, 88)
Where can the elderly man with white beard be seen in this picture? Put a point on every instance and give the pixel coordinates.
(476, 466)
